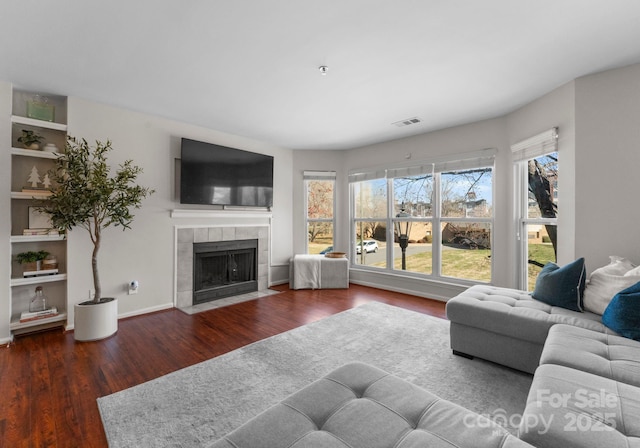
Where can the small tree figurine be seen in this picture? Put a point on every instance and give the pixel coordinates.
(34, 177)
(87, 196)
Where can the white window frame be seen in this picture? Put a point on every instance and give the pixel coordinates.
(439, 219)
(475, 159)
(537, 146)
(323, 176)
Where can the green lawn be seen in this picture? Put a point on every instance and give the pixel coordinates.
(474, 264)
(459, 263)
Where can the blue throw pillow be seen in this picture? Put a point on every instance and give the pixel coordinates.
(623, 313)
(561, 286)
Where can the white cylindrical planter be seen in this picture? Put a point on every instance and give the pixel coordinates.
(93, 322)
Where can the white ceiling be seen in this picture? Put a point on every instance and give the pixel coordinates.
(250, 67)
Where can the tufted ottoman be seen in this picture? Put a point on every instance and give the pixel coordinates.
(508, 326)
(360, 406)
(605, 355)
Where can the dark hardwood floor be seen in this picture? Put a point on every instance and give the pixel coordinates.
(49, 383)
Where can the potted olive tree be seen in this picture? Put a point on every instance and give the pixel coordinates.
(86, 195)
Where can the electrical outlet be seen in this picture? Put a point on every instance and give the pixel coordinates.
(133, 287)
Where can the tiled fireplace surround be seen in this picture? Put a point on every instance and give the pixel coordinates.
(186, 236)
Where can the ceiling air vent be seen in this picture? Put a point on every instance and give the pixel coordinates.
(407, 122)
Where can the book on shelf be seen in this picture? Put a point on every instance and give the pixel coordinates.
(36, 232)
(27, 316)
(37, 191)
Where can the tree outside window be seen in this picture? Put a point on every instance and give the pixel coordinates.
(465, 225)
(320, 215)
(540, 223)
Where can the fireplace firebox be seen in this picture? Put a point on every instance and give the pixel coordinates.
(224, 268)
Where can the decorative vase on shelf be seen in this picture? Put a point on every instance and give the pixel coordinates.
(50, 147)
(38, 302)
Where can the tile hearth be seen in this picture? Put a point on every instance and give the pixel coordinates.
(228, 301)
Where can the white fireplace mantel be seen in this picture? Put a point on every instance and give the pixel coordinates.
(224, 214)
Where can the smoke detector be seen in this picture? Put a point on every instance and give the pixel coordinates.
(323, 69)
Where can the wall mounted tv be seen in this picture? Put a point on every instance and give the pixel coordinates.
(218, 175)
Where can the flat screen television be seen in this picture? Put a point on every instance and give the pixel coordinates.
(219, 175)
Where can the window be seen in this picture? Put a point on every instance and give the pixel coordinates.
(466, 222)
(320, 186)
(413, 206)
(429, 219)
(370, 212)
(536, 174)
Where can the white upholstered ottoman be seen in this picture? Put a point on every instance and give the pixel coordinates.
(318, 272)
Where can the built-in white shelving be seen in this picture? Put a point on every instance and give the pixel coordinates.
(16, 325)
(23, 195)
(34, 153)
(36, 280)
(17, 119)
(36, 238)
(22, 204)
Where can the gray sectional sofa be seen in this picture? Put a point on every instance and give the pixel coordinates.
(585, 390)
(508, 326)
(586, 386)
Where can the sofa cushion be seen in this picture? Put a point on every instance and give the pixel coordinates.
(358, 405)
(623, 313)
(607, 281)
(561, 286)
(569, 408)
(609, 356)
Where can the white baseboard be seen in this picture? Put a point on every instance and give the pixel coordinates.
(279, 282)
(410, 292)
(152, 309)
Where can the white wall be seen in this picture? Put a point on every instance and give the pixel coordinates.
(555, 109)
(607, 165)
(146, 252)
(5, 206)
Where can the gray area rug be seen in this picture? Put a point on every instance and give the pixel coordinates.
(199, 404)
